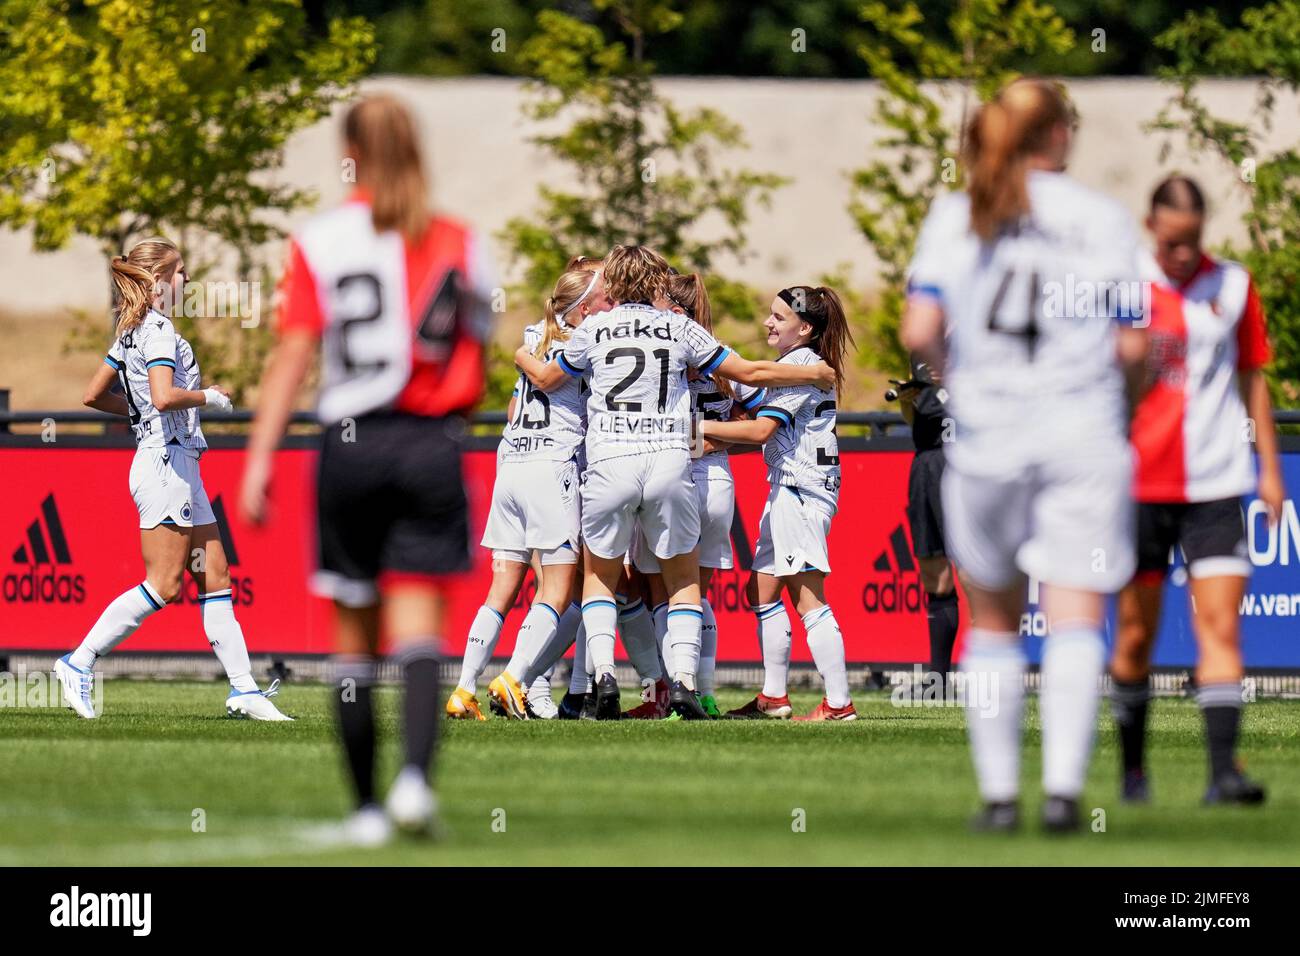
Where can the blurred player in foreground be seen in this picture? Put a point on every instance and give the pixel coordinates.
(1036, 279)
(397, 300)
(1209, 346)
(161, 397)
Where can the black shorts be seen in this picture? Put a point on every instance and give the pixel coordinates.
(1211, 534)
(924, 504)
(390, 499)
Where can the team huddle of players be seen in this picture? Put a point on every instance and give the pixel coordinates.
(615, 460)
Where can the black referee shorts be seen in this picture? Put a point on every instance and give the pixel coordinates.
(1211, 534)
(390, 499)
(924, 504)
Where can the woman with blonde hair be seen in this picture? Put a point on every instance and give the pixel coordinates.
(161, 397)
(1037, 479)
(397, 300)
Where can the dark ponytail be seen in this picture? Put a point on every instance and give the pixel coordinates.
(821, 308)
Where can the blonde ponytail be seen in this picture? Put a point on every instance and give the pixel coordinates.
(137, 277)
(570, 289)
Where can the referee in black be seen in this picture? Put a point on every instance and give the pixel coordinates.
(923, 402)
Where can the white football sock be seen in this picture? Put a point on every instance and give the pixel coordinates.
(483, 635)
(227, 638)
(600, 615)
(549, 653)
(540, 689)
(1073, 660)
(637, 629)
(774, 638)
(684, 621)
(118, 621)
(580, 676)
(827, 646)
(540, 624)
(708, 649)
(993, 681)
(659, 614)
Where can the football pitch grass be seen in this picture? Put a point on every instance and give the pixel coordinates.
(164, 778)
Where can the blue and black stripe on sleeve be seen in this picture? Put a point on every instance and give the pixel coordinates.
(777, 412)
(716, 359)
(754, 400)
(569, 367)
(113, 363)
(153, 363)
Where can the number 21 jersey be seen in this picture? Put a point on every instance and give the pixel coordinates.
(636, 357)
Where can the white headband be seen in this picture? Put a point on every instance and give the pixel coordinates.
(578, 301)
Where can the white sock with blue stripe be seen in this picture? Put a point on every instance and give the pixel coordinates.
(537, 630)
(708, 649)
(482, 641)
(227, 638)
(637, 629)
(659, 614)
(600, 615)
(118, 622)
(827, 646)
(774, 641)
(684, 621)
(580, 675)
(543, 659)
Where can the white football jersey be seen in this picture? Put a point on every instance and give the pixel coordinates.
(1031, 321)
(711, 405)
(803, 452)
(546, 425)
(154, 343)
(636, 357)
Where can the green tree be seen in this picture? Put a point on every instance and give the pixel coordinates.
(123, 119)
(638, 169)
(918, 154)
(1266, 45)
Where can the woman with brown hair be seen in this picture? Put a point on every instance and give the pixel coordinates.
(796, 427)
(1036, 480)
(161, 397)
(397, 300)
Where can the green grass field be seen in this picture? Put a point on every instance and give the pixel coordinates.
(895, 788)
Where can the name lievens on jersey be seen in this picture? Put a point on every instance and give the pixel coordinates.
(636, 359)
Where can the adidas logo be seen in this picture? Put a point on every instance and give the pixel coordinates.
(901, 593)
(46, 544)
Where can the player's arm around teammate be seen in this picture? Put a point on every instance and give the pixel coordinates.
(160, 382)
(1193, 466)
(796, 427)
(534, 509)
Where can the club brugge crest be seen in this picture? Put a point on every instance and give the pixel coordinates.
(186, 511)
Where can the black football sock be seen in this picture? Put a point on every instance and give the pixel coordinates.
(420, 711)
(1221, 705)
(941, 615)
(354, 679)
(1128, 704)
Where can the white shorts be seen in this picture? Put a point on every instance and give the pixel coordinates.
(653, 492)
(716, 499)
(1068, 522)
(534, 508)
(792, 533)
(168, 489)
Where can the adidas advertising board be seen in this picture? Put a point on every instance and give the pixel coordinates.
(69, 543)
